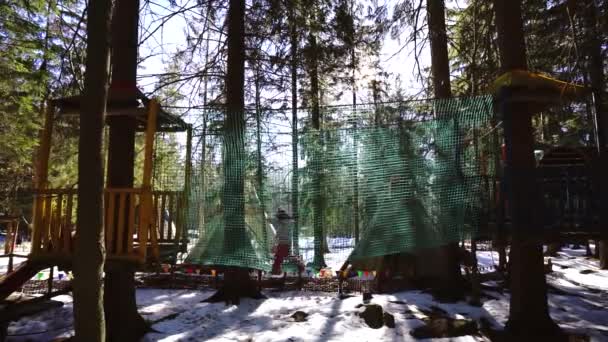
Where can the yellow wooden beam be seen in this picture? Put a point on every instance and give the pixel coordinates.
(539, 83)
(149, 145)
(42, 169)
(44, 150)
(146, 225)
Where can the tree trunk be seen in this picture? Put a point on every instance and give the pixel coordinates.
(598, 84)
(553, 248)
(202, 209)
(123, 322)
(500, 239)
(444, 274)
(295, 177)
(317, 163)
(596, 250)
(475, 284)
(603, 254)
(355, 172)
(528, 311)
(237, 282)
(89, 322)
(440, 65)
(588, 252)
(260, 166)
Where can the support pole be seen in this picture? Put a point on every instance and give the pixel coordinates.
(42, 167)
(49, 282)
(179, 235)
(147, 225)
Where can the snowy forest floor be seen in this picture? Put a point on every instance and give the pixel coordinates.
(577, 297)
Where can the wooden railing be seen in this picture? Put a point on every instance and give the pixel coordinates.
(54, 221)
(12, 227)
(129, 222)
(167, 207)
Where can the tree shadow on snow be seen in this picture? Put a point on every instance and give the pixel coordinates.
(202, 321)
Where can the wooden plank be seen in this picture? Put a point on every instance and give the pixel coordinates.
(188, 171)
(179, 218)
(9, 238)
(154, 245)
(146, 196)
(110, 213)
(46, 222)
(44, 150)
(7, 242)
(37, 224)
(67, 231)
(149, 144)
(121, 190)
(122, 206)
(145, 221)
(170, 218)
(155, 216)
(56, 191)
(131, 223)
(161, 222)
(56, 226)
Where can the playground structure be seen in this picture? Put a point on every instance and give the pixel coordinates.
(11, 224)
(569, 184)
(143, 226)
(394, 178)
(397, 178)
(568, 177)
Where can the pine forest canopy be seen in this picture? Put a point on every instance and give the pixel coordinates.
(43, 56)
(379, 174)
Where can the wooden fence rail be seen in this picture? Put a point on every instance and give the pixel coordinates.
(128, 221)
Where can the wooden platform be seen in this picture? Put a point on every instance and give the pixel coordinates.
(128, 224)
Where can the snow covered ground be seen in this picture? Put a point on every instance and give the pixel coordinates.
(578, 297)
(339, 251)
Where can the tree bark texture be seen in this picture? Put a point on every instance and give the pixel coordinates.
(439, 267)
(295, 177)
(237, 282)
(440, 64)
(317, 163)
(598, 84)
(89, 255)
(123, 321)
(528, 311)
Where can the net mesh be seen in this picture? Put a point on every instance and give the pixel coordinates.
(375, 180)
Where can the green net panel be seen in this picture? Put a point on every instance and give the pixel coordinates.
(374, 181)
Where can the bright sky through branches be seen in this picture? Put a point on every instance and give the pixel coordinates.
(165, 33)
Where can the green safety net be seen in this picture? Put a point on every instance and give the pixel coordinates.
(375, 180)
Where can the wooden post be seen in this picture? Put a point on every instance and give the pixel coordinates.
(42, 165)
(46, 221)
(49, 282)
(67, 231)
(122, 204)
(10, 263)
(56, 223)
(170, 234)
(161, 218)
(110, 213)
(183, 206)
(44, 151)
(131, 225)
(146, 218)
(8, 243)
(13, 227)
(15, 236)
